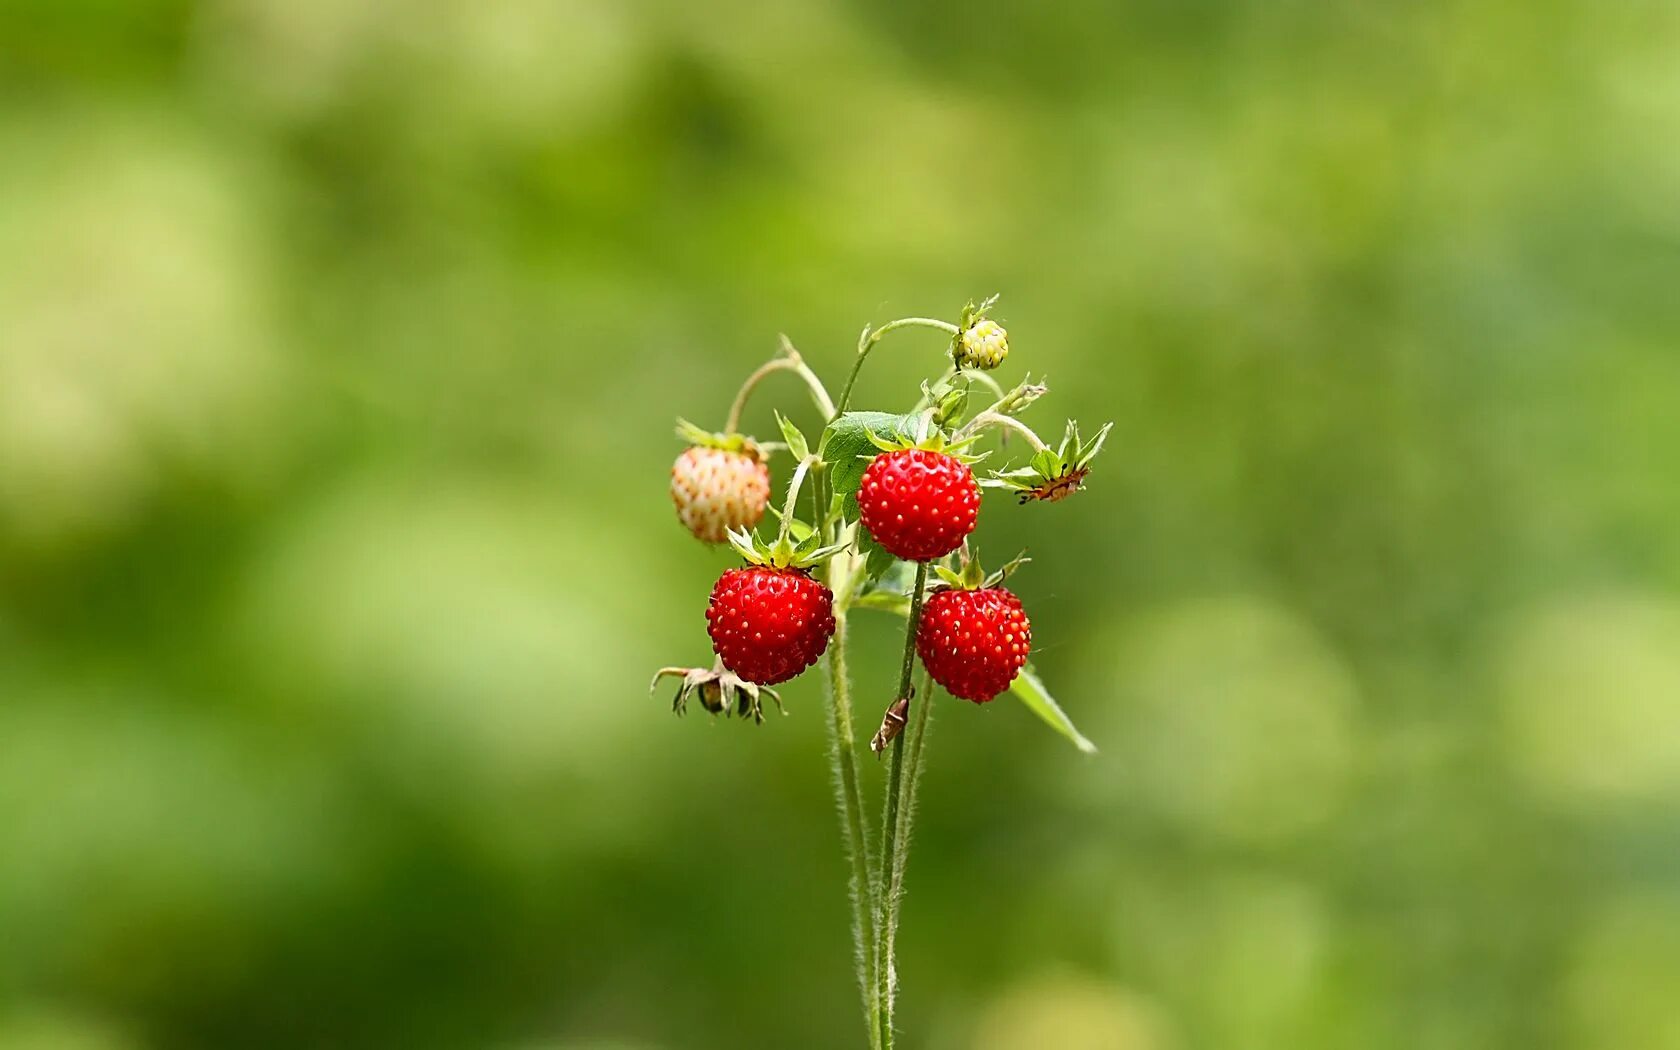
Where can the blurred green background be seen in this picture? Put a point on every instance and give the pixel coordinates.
(340, 344)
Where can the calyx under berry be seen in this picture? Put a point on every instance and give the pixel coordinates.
(695, 435)
(924, 434)
(784, 553)
(719, 690)
(972, 576)
(1053, 475)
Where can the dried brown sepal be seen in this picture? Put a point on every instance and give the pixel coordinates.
(718, 690)
(1058, 488)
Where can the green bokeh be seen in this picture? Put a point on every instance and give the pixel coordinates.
(340, 344)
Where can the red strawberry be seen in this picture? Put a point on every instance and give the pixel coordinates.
(919, 503)
(718, 489)
(974, 642)
(769, 624)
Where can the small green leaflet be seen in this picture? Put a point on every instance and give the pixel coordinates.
(886, 601)
(847, 447)
(1031, 692)
(877, 559)
(890, 592)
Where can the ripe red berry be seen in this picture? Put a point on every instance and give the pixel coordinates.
(974, 642)
(769, 624)
(917, 503)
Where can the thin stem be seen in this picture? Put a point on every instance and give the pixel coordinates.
(788, 361)
(871, 336)
(885, 906)
(843, 766)
(885, 977)
(917, 734)
(792, 499)
(989, 418)
(843, 763)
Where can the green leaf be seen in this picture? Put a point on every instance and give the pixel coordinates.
(890, 592)
(886, 601)
(1089, 452)
(847, 446)
(877, 559)
(1031, 692)
(795, 440)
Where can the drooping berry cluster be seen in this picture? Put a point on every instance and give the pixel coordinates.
(919, 504)
(880, 484)
(975, 642)
(769, 624)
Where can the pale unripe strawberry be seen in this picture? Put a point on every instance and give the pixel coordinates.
(717, 489)
(982, 345)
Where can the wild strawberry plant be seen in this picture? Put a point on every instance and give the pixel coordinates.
(892, 503)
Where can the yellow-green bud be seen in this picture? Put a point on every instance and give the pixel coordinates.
(984, 345)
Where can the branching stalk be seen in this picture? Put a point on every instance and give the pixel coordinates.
(870, 336)
(990, 418)
(788, 361)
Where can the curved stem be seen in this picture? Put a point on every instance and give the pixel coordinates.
(792, 500)
(885, 906)
(789, 361)
(989, 418)
(868, 339)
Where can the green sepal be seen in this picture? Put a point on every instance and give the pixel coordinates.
(923, 433)
(784, 553)
(972, 576)
(973, 313)
(749, 546)
(694, 435)
(1084, 454)
(1050, 468)
(949, 401)
(1021, 397)
(795, 439)
(1008, 570)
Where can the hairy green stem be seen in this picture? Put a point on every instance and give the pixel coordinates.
(792, 499)
(989, 418)
(916, 734)
(885, 906)
(843, 760)
(842, 751)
